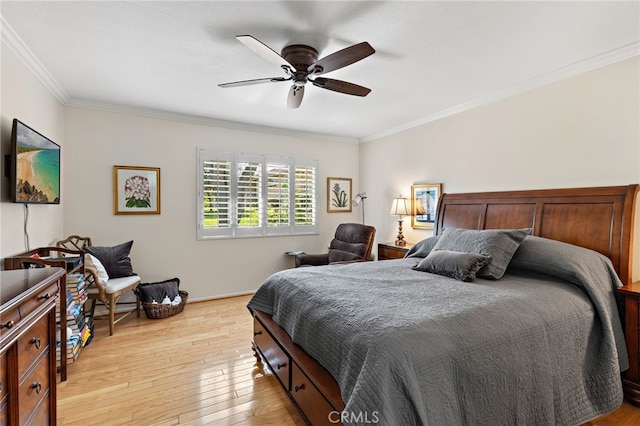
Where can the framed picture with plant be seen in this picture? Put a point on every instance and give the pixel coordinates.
(424, 204)
(338, 195)
(136, 190)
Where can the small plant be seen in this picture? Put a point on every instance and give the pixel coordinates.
(339, 198)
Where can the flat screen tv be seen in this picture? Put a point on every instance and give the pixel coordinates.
(35, 168)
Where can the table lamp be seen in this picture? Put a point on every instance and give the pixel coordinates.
(400, 207)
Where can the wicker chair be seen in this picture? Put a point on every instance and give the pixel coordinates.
(107, 292)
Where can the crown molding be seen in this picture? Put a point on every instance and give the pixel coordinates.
(607, 58)
(205, 121)
(15, 44)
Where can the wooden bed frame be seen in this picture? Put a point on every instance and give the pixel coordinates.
(599, 218)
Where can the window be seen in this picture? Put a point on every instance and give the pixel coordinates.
(252, 195)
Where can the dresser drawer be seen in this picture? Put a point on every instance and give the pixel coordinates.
(32, 343)
(42, 415)
(33, 389)
(40, 299)
(9, 319)
(278, 361)
(317, 410)
(4, 384)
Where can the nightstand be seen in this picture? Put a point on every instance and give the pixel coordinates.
(387, 251)
(631, 381)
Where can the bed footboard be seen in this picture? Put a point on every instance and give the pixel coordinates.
(311, 388)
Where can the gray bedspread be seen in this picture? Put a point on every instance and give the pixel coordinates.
(413, 348)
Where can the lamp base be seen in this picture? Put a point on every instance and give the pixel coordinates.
(400, 238)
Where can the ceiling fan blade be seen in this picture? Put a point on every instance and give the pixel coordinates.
(265, 51)
(295, 96)
(341, 86)
(255, 81)
(341, 58)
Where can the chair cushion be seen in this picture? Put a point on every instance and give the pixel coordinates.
(115, 259)
(342, 256)
(115, 285)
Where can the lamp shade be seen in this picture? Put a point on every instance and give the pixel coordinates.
(400, 207)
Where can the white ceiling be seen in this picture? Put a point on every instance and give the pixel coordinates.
(432, 58)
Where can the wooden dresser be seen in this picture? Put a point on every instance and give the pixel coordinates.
(28, 345)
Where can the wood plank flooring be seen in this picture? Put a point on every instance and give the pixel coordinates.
(195, 368)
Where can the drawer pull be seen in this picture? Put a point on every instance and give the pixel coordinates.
(9, 324)
(299, 388)
(36, 341)
(37, 386)
(257, 333)
(45, 296)
(279, 366)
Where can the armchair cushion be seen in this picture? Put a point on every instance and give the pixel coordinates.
(342, 256)
(115, 259)
(312, 259)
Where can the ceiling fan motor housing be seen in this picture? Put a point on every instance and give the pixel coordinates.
(300, 56)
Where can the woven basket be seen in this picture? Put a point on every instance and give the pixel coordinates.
(159, 311)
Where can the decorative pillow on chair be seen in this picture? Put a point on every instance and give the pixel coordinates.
(500, 244)
(115, 259)
(461, 266)
(94, 265)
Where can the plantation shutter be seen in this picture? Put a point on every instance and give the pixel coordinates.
(215, 207)
(305, 196)
(249, 205)
(278, 196)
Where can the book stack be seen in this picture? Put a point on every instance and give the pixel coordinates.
(77, 323)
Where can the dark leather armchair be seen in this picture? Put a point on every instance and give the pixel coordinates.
(353, 242)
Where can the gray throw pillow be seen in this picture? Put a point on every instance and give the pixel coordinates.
(115, 259)
(461, 266)
(500, 244)
(423, 248)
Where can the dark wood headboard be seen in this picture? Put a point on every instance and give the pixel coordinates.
(599, 218)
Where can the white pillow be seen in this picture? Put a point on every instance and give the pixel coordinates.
(92, 262)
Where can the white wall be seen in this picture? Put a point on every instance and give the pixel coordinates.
(582, 131)
(24, 97)
(165, 245)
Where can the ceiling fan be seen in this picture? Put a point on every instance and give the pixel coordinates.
(301, 64)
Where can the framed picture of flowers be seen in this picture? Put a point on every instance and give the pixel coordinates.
(424, 205)
(338, 195)
(136, 190)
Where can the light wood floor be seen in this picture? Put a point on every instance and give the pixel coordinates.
(196, 368)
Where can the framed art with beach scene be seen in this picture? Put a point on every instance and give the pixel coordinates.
(136, 190)
(424, 204)
(338, 195)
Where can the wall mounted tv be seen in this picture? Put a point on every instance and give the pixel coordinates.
(35, 168)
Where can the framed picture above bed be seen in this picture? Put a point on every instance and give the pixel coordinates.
(338, 195)
(424, 204)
